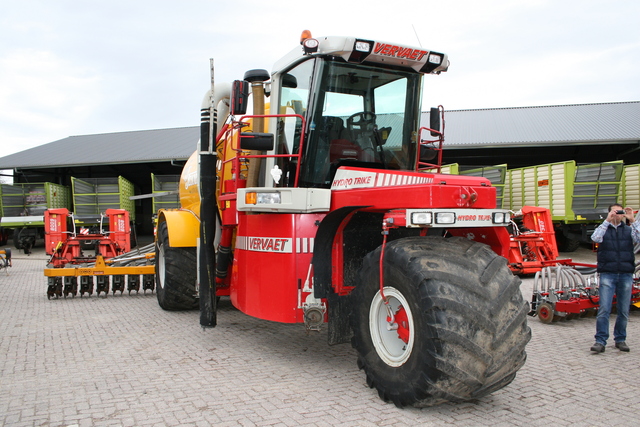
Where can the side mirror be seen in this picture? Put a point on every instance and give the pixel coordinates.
(434, 121)
(239, 97)
(427, 153)
(256, 141)
(290, 81)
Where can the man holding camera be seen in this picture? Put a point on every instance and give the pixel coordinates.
(616, 237)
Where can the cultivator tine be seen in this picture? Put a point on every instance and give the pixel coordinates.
(148, 282)
(118, 283)
(86, 285)
(54, 287)
(102, 285)
(70, 286)
(117, 273)
(133, 283)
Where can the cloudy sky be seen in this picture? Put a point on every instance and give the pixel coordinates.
(75, 67)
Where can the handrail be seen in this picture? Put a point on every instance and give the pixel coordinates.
(239, 157)
(423, 142)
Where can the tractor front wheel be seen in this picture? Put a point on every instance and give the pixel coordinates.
(175, 274)
(449, 324)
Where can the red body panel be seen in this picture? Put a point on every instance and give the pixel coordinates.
(119, 229)
(55, 228)
(271, 262)
(385, 190)
(496, 237)
(273, 251)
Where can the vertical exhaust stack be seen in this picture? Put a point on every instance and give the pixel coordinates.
(257, 79)
(207, 168)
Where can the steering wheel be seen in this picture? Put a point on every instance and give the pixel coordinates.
(361, 121)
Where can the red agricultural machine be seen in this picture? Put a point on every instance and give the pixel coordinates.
(81, 255)
(65, 244)
(318, 209)
(563, 289)
(533, 241)
(565, 292)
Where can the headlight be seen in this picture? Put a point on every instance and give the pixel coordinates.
(445, 218)
(421, 218)
(435, 59)
(363, 46)
(268, 198)
(501, 217)
(310, 46)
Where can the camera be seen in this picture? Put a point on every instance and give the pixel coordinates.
(620, 212)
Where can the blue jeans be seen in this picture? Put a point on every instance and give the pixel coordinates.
(619, 284)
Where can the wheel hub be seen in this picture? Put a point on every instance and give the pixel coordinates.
(391, 327)
(402, 323)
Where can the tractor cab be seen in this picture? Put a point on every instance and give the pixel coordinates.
(360, 101)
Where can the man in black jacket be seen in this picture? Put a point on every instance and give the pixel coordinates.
(616, 264)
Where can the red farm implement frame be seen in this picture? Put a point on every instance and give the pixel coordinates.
(111, 250)
(564, 292)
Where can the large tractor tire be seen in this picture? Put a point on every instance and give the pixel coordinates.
(175, 274)
(566, 244)
(460, 317)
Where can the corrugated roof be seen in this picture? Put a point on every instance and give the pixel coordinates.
(109, 148)
(615, 122)
(550, 125)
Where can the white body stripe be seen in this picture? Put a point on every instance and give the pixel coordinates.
(348, 179)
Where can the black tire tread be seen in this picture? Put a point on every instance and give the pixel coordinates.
(178, 290)
(566, 244)
(472, 350)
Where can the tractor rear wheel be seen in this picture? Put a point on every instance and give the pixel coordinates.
(175, 274)
(459, 330)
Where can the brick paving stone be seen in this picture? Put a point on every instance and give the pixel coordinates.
(121, 360)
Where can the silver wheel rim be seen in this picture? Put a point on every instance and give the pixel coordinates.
(391, 349)
(160, 265)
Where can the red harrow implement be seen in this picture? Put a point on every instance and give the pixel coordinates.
(111, 260)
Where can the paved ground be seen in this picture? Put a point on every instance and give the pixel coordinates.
(123, 361)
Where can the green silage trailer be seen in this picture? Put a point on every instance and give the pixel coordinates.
(578, 195)
(93, 196)
(165, 192)
(631, 193)
(22, 206)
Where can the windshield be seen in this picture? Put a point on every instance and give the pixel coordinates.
(361, 116)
